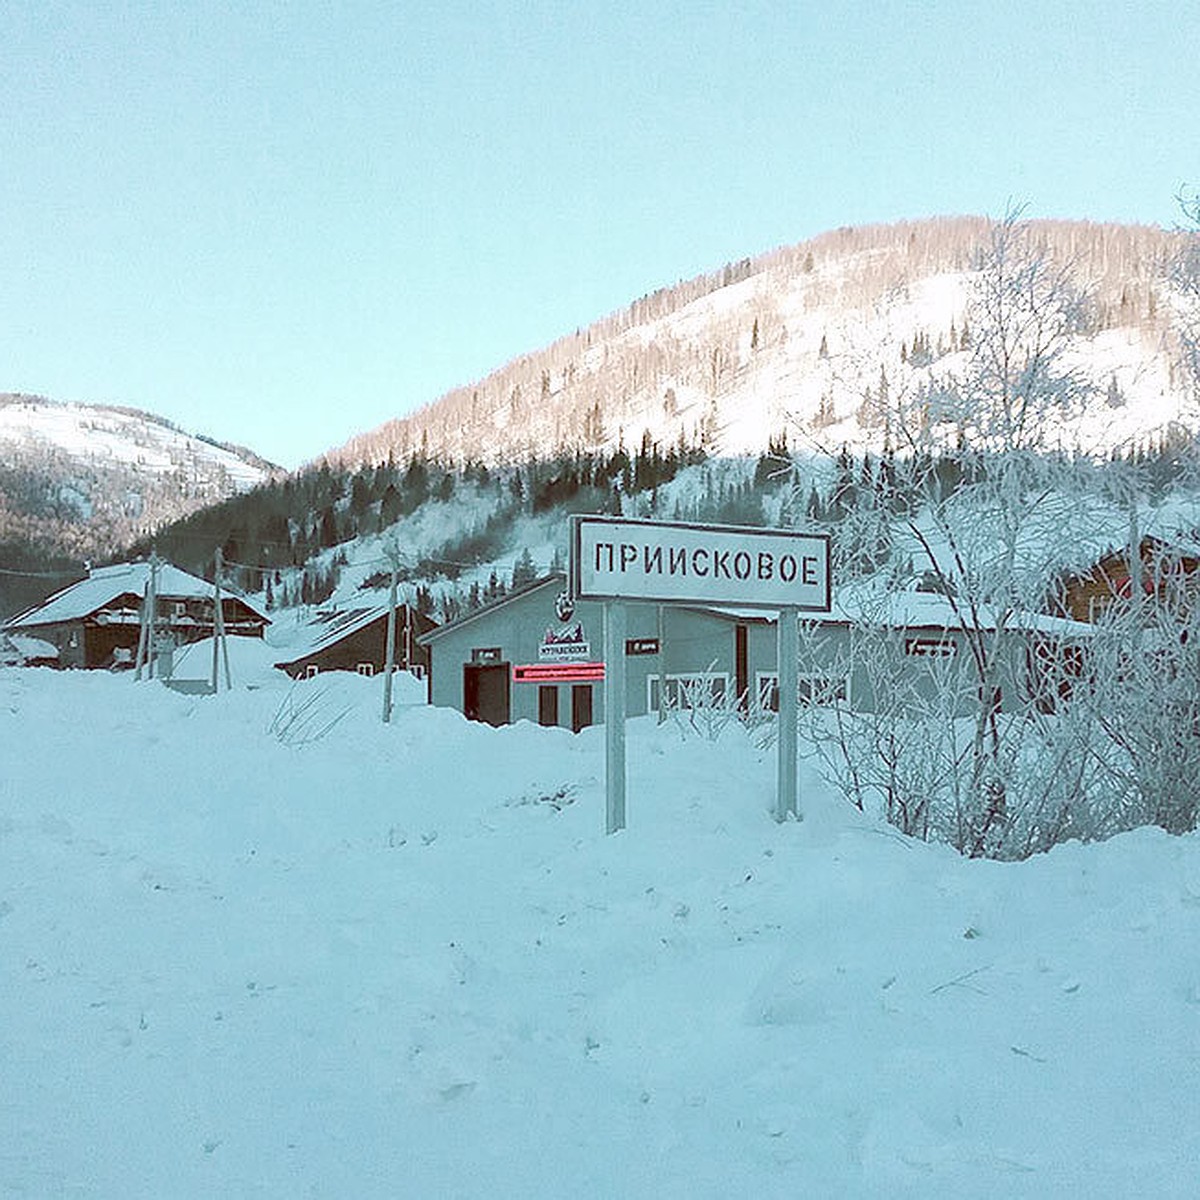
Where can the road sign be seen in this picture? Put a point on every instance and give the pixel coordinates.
(670, 562)
(558, 672)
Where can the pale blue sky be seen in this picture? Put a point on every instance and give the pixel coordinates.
(281, 224)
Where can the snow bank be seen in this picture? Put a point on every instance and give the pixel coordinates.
(404, 961)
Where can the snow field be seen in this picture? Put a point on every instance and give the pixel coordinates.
(405, 961)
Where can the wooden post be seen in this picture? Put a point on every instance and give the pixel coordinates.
(219, 623)
(1135, 557)
(614, 716)
(216, 617)
(143, 633)
(389, 664)
(152, 647)
(789, 653)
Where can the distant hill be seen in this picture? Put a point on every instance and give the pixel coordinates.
(81, 481)
(801, 340)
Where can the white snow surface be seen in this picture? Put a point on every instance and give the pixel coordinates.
(93, 433)
(404, 960)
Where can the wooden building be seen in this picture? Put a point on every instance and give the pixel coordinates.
(356, 640)
(1167, 573)
(96, 622)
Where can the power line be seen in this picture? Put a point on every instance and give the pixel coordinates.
(44, 574)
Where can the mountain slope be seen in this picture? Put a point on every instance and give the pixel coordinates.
(798, 339)
(86, 479)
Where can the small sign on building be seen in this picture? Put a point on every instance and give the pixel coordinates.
(931, 647)
(637, 646)
(565, 645)
(555, 672)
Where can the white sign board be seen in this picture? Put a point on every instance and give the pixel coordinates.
(668, 562)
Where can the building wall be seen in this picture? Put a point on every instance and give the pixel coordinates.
(693, 643)
(68, 636)
(869, 668)
(91, 644)
(367, 645)
(101, 641)
(884, 669)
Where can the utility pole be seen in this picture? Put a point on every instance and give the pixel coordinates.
(220, 645)
(216, 616)
(408, 636)
(143, 633)
(152, 618)
(389, 665)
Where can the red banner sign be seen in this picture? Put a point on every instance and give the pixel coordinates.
(558, 672)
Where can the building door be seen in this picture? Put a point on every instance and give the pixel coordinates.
(548, 704)
(581, 706)
(485, 693)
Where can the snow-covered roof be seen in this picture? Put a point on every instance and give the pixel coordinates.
(906, 610)
(767, 616)
(933, 610)
(854, 605)
(328, 628)
(27, 648)
(105, 584)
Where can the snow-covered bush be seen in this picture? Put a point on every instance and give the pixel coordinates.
(1006, 753)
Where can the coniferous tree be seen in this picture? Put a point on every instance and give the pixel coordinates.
(524, 571)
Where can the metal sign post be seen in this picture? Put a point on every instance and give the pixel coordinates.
(614, 716)
(789, 653)
(614, 560)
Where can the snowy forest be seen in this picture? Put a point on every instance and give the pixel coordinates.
(797, 335)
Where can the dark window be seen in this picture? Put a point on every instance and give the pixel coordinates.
(548, 704)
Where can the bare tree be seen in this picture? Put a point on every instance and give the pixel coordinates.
(974, 753)
(1184, 274)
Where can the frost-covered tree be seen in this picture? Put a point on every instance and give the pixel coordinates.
(1184, 274)
(988, 543)
(1144, 696)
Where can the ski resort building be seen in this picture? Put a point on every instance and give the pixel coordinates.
(97, 621)
(538, 656)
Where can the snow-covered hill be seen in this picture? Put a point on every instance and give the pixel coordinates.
(86, 479)
(404, 960)
(801, 340)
